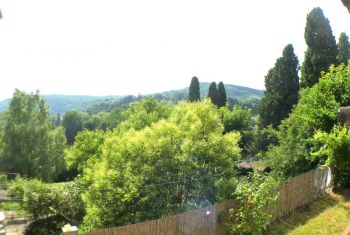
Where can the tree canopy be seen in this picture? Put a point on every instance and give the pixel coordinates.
(213, 93)
(282, 87)
(30, 145)
(194, 93)
(135, 168)
(344, 48)
(222, 98)
(316, 111)
(322, 49)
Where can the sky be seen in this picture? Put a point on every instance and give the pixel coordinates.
(114, 47)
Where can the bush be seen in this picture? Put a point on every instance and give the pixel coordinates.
(49, 205)
(256, 197)
(316, 110)
(335, 152)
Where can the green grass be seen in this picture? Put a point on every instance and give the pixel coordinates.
(328, 215)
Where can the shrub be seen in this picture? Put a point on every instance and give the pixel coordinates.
(256, 197)
(335, 152)
(50, 206)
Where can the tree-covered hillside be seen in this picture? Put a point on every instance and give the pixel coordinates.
(232, 91)
(63, 103)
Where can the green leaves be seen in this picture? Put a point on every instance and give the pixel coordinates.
(344, 48)
(316, 110)
(334, 151)
(256, 197)
(194, 90)
(30, 145)
(322, 49)
(170, 165)
(282, 87)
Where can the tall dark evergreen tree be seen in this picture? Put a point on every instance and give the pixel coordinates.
(194, 93)
(282, 87)
(343, 48)
(213, 93)
(322, 48)
(221, 95)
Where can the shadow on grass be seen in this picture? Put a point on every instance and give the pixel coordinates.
(303, 215)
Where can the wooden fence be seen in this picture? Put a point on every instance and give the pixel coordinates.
(294, 193)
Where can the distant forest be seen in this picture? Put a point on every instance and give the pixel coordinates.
(59, 104)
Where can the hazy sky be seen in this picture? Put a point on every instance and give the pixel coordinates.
(110, 47)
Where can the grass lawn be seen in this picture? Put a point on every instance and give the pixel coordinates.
(328, 215)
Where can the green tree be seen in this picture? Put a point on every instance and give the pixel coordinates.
(222, 99)
(30, 145)
(73, 123)
(136, 167)
(282, 87)
(213, 93)
(57, 121)
(322, 49)
(344, 48)
(316, 111)
(194, 93)
(257, 199)
(143, 113)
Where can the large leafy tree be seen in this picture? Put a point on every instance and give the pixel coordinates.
(73, 123)
(322, 49)
(175, 164)
(344, 48)
(282, 87)
(213, 93)
(222, 98)
(194, 91)
(30, 145)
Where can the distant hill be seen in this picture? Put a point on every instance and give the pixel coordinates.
(62, 103)
(232, 91)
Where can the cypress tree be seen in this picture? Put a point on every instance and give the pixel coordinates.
(343, 48)
(322, 49)
(282, 87)
(221, 95)
(194, 93)
(213, 93)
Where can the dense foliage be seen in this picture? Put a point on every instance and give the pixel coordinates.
(50, 206)
(335, 152)
(344, 48)
(213, 93)
(175, 164)
(73, 122)
(316, 110)
(30, 145)
(322, 49)
(282, 87)
(256, 197)
(222, 98)
(194, 93)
